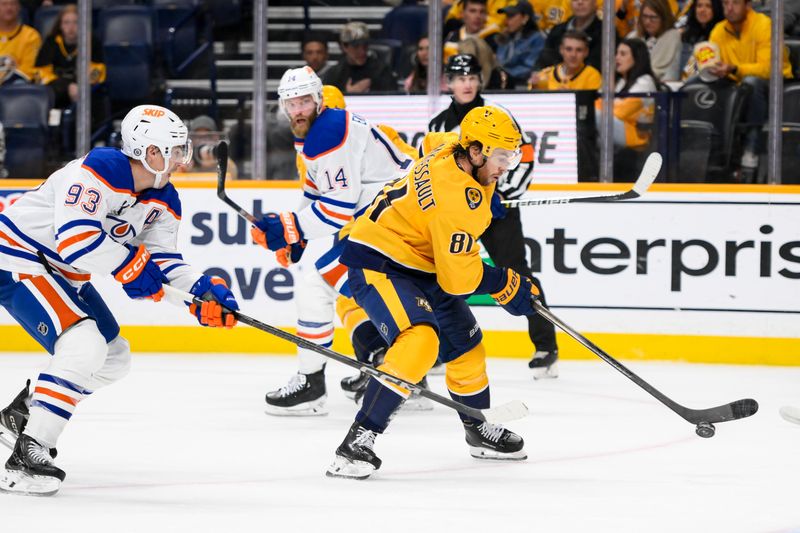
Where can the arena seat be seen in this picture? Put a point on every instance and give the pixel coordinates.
(715, 108)
(790, 155)
(127, 36)
(24, 111)
(44, 19)
(178, 15)
(406, 23)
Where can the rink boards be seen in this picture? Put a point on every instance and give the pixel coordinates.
(695, 273)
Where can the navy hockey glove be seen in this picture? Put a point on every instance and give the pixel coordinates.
(518, 294)
(218, 303)
(275, 231)
(291, 254)
(498, 209)
(140, 276)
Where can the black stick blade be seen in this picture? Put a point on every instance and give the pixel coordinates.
(744, 408)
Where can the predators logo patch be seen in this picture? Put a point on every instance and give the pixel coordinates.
(423, 303)
(474, 197)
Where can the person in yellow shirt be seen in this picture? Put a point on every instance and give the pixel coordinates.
(744, 39)
(413, 257)
(18, 41)
(573, 74)
(550, 13)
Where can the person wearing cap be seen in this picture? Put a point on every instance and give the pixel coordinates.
(584, 18)
(520, 43)
(744, 40)
(503, 239)
(359, 71)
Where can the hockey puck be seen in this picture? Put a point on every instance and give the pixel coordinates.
(705, 430)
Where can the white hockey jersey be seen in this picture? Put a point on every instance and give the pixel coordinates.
(348, 161)
(79, 220)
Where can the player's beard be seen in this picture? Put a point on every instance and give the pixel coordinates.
(301, 130)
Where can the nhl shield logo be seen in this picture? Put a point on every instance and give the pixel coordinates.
(474, 197)
(42, 328)
(384, 329)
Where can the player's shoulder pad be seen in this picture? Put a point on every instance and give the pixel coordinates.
(327, 133)
(112, 167)
(166, 196)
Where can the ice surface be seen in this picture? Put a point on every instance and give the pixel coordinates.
(183, 444)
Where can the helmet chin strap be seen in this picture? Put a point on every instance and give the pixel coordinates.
(159, 173)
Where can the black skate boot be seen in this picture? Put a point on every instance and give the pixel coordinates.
(304, 395)
(14, 417)
(355, 457)
(355, 386)
(30, 470)
(544, 364)
(493, 441)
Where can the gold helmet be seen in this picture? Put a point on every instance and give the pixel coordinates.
(332, 97)
(495, 130)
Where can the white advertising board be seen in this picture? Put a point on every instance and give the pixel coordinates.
(683, 263)
(548, 119)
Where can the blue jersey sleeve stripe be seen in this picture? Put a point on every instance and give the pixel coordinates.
(324, 218)
(19, 253)
(80, 222)
(337, 203)
(80, 253)
(46, 251)
(310, 196)
(172, 267)
(164, 255)
(52, 408)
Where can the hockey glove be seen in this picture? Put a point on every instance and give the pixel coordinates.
(218, 303)
(140, 276)
(518, 294)
(275, 231)
(291, 254)
(498, 209)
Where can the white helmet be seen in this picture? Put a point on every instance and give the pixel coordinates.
(300, 82)
(152, 125)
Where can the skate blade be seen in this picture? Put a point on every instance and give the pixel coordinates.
(485, 453)
(7, 438)
(347, 469)
(22, 484)
(548, 372)
(790, 414)
(315, 408)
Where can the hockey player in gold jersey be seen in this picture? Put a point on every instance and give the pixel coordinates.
(413, 258)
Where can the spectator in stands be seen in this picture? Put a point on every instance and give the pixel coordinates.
(417, 81)
(656, 27)
(520, 43)
(573, 74)
(474, 23)
(744, 43)
(359, 71)
(493, 76)
(701, 18)
(627, 13)
(551, 13)
(634, 75)
(314, 49)
(455, 15)
(791, 18)
(56, 62)
(19, 42)
(584, 18)
(205, 136)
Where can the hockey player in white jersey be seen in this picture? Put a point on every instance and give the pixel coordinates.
(110, 212)
(347, 161)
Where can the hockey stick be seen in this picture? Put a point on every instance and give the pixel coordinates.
(702, 418)
(507, 412)
(222, 169)
(648, 175)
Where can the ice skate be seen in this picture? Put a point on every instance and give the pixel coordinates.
(14, 417)
(355, 457)
(493, 441)
(417, 402)
(355, 386)
(304, 395)
(30, 470)
(544, 364)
